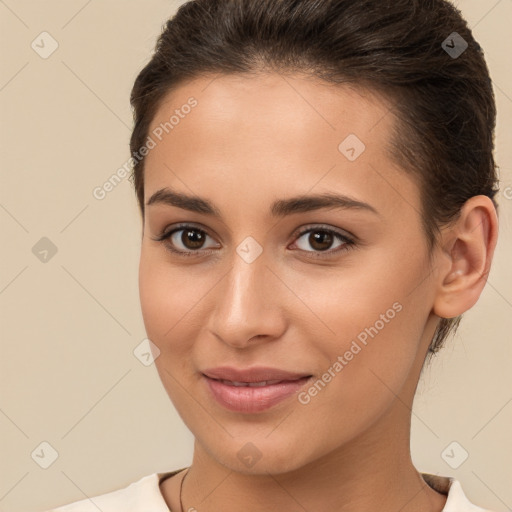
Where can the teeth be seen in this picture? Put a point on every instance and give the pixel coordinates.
(250, 384)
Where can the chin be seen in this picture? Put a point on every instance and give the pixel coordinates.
(260, 456)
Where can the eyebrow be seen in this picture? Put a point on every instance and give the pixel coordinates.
(280, 208)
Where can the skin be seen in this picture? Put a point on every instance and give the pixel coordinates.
(248, 142)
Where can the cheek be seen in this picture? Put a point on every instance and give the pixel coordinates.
(360, 297)
(166, 295)
(366, 363)
(371, 314)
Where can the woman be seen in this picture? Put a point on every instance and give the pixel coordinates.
(316, 182)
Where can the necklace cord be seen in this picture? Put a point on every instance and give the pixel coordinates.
(181, 490)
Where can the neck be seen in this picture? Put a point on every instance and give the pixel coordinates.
(372, 472)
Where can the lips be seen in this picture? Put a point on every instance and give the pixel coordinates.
(252, 390)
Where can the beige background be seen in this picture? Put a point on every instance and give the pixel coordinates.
(69, 326)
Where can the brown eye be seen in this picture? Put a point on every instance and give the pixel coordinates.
(186, 240)
(318, 240)
(192, 238)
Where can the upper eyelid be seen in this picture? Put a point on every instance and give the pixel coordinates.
(322, 227)
(180, 227)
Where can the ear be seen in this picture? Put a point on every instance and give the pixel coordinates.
(468, 246)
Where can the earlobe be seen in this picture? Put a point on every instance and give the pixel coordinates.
(469, 244)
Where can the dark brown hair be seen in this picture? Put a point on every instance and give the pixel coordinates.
(439, 87)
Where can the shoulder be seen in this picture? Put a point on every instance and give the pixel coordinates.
(143, 494)
(456, 500)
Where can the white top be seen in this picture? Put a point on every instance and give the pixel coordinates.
(144, 496)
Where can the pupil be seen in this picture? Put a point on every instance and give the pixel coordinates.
(317, 238)
(192, 239)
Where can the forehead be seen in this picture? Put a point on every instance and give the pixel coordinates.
(274, 133)
(267, 103)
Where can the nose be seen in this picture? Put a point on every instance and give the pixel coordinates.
(246, 307)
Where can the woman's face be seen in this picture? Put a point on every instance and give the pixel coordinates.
(334, 296)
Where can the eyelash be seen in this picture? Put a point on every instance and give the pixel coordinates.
(347, 242)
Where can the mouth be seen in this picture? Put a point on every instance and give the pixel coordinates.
(249, 384)
(252, 390)
(251, 375)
